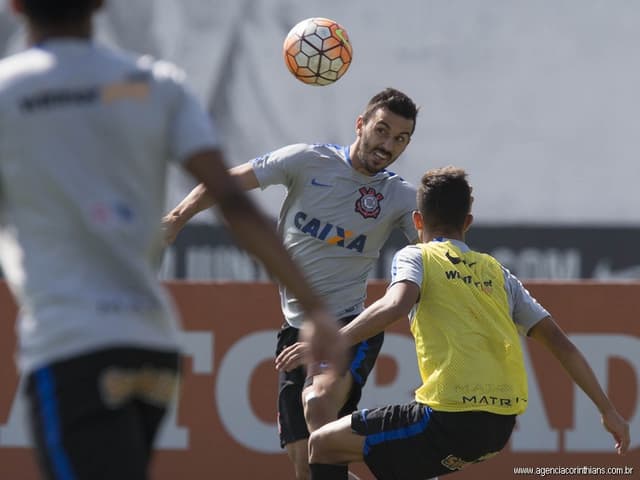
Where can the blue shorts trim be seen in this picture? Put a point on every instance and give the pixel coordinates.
(399, 434)
(361, 354)
(45, 387)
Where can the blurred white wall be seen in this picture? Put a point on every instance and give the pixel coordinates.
(537, 99)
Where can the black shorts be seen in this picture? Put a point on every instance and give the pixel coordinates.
(413, 442)
(95, 416)
(291, 423)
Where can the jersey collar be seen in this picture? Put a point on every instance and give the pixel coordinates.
(461, 245)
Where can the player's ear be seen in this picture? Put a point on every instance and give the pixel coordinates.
(467, 222)
(418, 221)
(359, 125)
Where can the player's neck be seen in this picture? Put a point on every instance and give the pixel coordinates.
(443, 233)
(354, 157)
(39, 34)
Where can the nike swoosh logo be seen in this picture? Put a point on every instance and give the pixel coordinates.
(452, 259)
(319, 184)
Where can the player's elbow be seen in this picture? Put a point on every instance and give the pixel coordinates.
(399, 304)
(397, 310)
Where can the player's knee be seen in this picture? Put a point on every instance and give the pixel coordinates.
(317, 409)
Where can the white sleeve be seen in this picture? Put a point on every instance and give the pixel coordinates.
(407, 266)
(281, 166)
(525, 310)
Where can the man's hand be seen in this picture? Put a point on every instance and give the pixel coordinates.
(292, 356)
(619, 428)
(324, 344)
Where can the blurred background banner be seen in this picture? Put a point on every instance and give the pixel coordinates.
(536, 99)
(224, 424)
(204, 251)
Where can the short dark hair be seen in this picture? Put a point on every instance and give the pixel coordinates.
(444, 197)
(55, 12)
(395, 101)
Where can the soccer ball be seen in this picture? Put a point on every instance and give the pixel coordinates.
(317, 51)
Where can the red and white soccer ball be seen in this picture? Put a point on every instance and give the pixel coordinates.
(317, 51)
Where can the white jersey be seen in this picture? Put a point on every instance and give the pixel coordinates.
(85, 135)
(334, 221)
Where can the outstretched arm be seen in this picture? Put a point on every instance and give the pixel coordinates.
(556, 341)
(396, 303)
(255, 233)
(198, 200)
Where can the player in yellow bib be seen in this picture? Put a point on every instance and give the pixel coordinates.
(469, 353)
(466, 312)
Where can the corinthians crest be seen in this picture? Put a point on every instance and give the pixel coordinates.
(368, 205)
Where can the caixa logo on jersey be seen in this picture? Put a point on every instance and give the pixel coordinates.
(368, 205)
(327, 232)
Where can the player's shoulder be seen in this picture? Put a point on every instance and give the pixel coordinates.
(329, 151)
(400, 181)
(486, 257)
(403, 190)
(311, 152)
(128, 60)
(490, 261)
(409, 252)
(11, 62)
(161, 70)
(296, 148)
(16, 67)
(397, 181)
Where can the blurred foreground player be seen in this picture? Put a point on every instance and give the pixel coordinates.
(85, 138)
